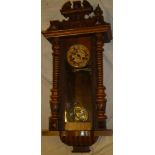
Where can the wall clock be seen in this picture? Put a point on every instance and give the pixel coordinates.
(78, 99)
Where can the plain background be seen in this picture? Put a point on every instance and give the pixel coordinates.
(20, 80)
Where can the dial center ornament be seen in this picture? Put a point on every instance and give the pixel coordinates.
(78, 56)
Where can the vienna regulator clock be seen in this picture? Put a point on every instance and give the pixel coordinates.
(78, 99)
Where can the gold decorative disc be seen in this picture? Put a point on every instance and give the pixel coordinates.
(78, 56)
(81, 114)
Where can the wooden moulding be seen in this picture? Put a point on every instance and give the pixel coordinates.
(107, 132)
(77, 31)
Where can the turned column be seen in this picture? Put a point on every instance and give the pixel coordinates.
(100, 92)
(54, 102)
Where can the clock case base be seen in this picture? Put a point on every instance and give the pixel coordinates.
(77, 139)
(82, 149)
(80, 140)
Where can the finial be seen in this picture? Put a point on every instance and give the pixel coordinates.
(99, 15)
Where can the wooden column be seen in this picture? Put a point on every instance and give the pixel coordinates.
(100, 92)
(54, 102)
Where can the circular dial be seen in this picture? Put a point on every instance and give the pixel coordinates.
(78, 56)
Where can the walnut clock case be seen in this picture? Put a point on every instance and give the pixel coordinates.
(78, 99)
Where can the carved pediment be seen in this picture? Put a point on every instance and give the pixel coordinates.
(78, 14)
(79, 17)
(77, 11)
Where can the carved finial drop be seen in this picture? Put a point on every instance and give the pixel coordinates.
(86, 4)
(98, 10)
(99, 15)
(78, 11)
(77, 5)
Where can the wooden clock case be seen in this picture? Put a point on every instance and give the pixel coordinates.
(85, 26)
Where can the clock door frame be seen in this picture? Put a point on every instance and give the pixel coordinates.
(88, 41)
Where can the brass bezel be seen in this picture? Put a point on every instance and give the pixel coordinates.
(81, 50)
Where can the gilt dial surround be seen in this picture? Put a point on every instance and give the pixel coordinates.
(78, 56)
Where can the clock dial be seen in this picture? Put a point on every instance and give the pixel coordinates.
(78, 56)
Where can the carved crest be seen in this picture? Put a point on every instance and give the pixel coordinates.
(80, 18)
(79, 14)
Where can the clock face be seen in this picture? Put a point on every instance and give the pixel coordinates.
(78, 56)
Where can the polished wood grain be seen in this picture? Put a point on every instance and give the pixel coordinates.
(100, 92)
(106, 132)
(77, 31)
(54, 102)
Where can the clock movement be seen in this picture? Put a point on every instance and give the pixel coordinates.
(78, 99)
